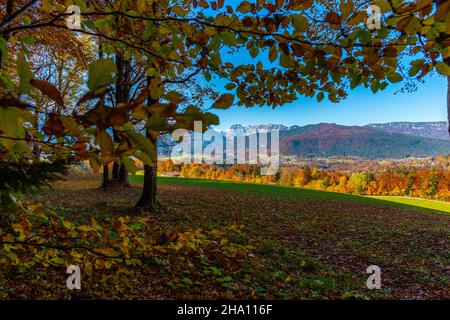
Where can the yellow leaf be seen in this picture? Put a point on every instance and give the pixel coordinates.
(105, 142)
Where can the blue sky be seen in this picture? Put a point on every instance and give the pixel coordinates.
(361, 107)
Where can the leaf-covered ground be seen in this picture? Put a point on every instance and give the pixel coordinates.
(307, 244)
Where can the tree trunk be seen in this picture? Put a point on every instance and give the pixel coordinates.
(149, 191)
(123, 176)
(115, 168)
(105, 183)
(115, 171)
(122, 95)
(148, 197)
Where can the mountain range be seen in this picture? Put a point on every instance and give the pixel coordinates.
(369, 142)
(435, 130)
(372, 141)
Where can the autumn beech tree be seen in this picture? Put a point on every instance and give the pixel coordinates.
(286, 49)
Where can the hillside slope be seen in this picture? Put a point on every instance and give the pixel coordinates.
(366, 142)
(434, 130)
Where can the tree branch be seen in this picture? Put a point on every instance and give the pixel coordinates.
(10, 16)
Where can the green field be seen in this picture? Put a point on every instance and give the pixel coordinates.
(423, 203)
(297, 193)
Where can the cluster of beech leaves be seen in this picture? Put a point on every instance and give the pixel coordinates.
(39, 240)
(294, 48)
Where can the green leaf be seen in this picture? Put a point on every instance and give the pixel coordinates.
(224, 102)
(207, 76)
(87, 25)
(210, 119)
(285, 60)
(25, 74)
(142, 143)
(26, 20)
(375, 86)
(413, 26)
(347, 7)
(94, 163)
(28, 40)
(413, 71)
(11, 125)
(215, 60)
(105, 142)
(101, 75)
(5, 79)
(11, 255)
(156, 123)
(151, 72)
(229, 39)
(140, 113)
(145, 158)
(273, 53)
(49, 90)
(443, 68)
(71, 125)
(244, 7)
(129, 164)
(3, 49)
(320, 96)
(215, 43)
(102, 23)
(397, 3)
(383, 4)
(179, 11)
(418, 62)
(253, 51)
(230, 86)
(299, 22)
(394, 77)
(174, 97)
(186, 281)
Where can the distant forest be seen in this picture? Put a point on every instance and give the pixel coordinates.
(429, 183)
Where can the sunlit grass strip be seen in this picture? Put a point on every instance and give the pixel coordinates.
(423, 203)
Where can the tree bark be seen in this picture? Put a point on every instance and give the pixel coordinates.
(123, 176)
(105, 180)
(149, 191)
(115, 171)
(115, 168)
(105, 183)
(122, 95)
